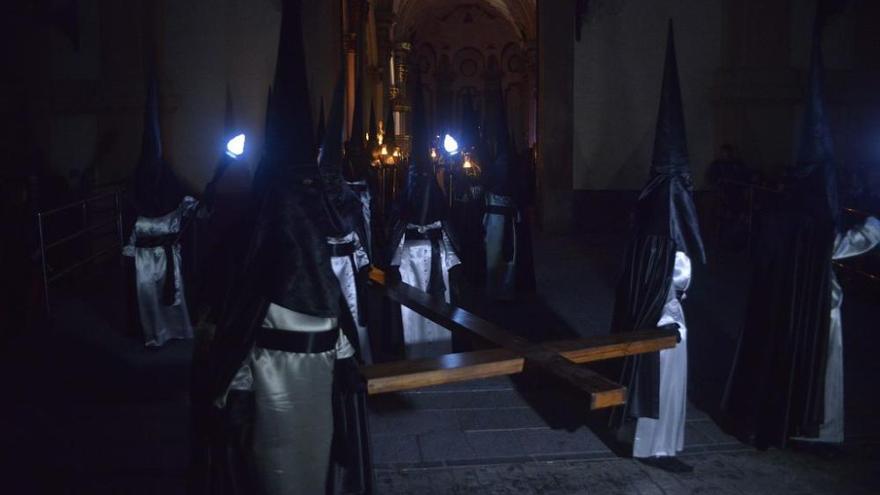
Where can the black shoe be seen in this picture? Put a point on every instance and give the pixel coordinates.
(669, 464)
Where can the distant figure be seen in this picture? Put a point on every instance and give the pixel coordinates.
(347, 229)
(162, 213)
(656, 277)
(787, 379)
(506, 239)
(421, 243)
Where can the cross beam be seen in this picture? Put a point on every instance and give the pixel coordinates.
(560, 358)
(450, 368)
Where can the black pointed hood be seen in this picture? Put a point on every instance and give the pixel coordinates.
(425, 203)
(470, 124)
(670, 141)
(815, 172)
(499, 154)
(388, 127)
(330, 158)
(373, 129)
(230, 127)
(341, 204)
(290, 136)
(156, 190)
(230, 130)
(666, 206)
(288, 249)
(322, 125)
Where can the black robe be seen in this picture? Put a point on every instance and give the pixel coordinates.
(776, 387)
(639, 299)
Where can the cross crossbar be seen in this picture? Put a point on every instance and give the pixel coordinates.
(559, 359)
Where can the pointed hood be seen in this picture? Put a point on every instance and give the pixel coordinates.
(156, 190)
(341, 204)
(288, 252)
(816, 171)
(229, 125)
(425, 203)
(330, 158)
(470, 124)
(499, 153)
(322, 126)
(373, 129)
(388, 127)
(670, 141)
(290, 137)
(666, 206)
(267, 119)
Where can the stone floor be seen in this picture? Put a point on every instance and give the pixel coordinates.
(87, 409)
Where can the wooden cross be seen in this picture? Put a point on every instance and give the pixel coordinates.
(558, 358)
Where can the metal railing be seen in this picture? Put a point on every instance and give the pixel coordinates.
(84, 230)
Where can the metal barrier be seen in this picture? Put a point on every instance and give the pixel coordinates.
(46, 245)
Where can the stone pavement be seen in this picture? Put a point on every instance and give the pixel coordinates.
(489, 422)
(718, 473)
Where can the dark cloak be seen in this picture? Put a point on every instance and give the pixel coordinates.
(665, 222)
(777, 384)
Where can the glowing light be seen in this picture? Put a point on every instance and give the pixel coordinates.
(367, 136)
(450, 145)
(384, 150)
(433, 153)
(235, 146)
(396, 152)
(467, 163)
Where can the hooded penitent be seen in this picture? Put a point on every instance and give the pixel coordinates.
(156, 190)
(162, 213)
(506, 240)
(288, 273)
(776, 388)
(421, 242)
(665, 222)
(287, 261)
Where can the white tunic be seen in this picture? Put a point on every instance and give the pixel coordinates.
(160, 323)
(345, 273)
(664, 436)
(422, 337)
(293, 423)
(854, 242)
